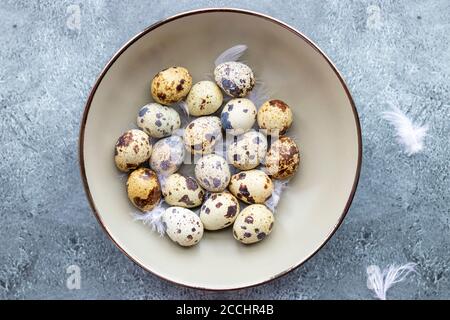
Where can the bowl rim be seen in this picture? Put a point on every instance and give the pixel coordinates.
(162, 22)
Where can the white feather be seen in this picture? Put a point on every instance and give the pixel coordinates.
(231, 54)
(380, 281)
(278, 188)
(153, 219)
(408, 134)
(184, 106)
(259, 94)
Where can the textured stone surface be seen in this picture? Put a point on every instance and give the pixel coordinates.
(390, 52)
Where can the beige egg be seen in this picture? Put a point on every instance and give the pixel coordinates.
(283, 158)
(238, 116)
(248, 150)
(235, 78)
(253, 224)
(204, 98)
(275, 116)
(219, 211)
(182, 191)
(252, 186)
(143, 189)
(158, 121)
(167, 155)
(171, 85)
(202, 135)
(132, 149)
(182, 226)
(212, 172)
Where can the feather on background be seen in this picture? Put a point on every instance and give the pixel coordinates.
(409, 134)
(380, 281)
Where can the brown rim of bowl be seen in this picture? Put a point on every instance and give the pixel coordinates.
(189, 13)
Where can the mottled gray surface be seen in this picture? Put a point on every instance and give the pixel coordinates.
(389, 52)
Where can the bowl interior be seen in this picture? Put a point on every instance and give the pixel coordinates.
(325, 127)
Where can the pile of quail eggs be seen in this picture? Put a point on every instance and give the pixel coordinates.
(228, 190)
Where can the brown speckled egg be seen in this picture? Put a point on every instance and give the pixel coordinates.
(143, 189)
(212, 172)
(171, 85)
(167, 155)
(182, 226)
(275, 116)
(219, 211)
(238, 116)
(235, 78)
(182, 191)
(283, 158)
(248, 150)
(252, 186)
(202, 135)
(158, 121)
(132, 149)
(204, 98)
(253, 224)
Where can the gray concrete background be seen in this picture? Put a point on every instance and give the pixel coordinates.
(389, 52)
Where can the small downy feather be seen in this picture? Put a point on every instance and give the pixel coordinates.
(380, 281)
(409, 134)
(278, 188)
(259, 94)
(182, 105)
(231, 54)
(153, 219)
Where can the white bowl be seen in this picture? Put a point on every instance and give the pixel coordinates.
(325, 126)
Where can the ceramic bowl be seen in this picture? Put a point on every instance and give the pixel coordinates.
(325, 126)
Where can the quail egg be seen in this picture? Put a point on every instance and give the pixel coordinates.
(212, 172)
(167, 155)
(248, 150)
(143, 189)
(132, 149)
(219, 211)
(283, 158)
(275, 116)
(204, 98)
(235, 78)
(171, 85)
(158, 121)
(182, 226)
(202, 135)
(253, 224)
(238, 116)
(182, 191)
(253, 186)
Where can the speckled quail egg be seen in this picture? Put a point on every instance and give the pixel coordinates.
(182, 226)
(253, 186)
(132, 149)
(275, 116)
(171, 85)
(235, 78)
(253, 224)
(219, 211)
(283, 158)
(204, 98)
(248, 150)
(143, 189)
(167, 155)
(238, 116)
(158, 121)
(182, 191)
(212, 172)
(202, 135)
